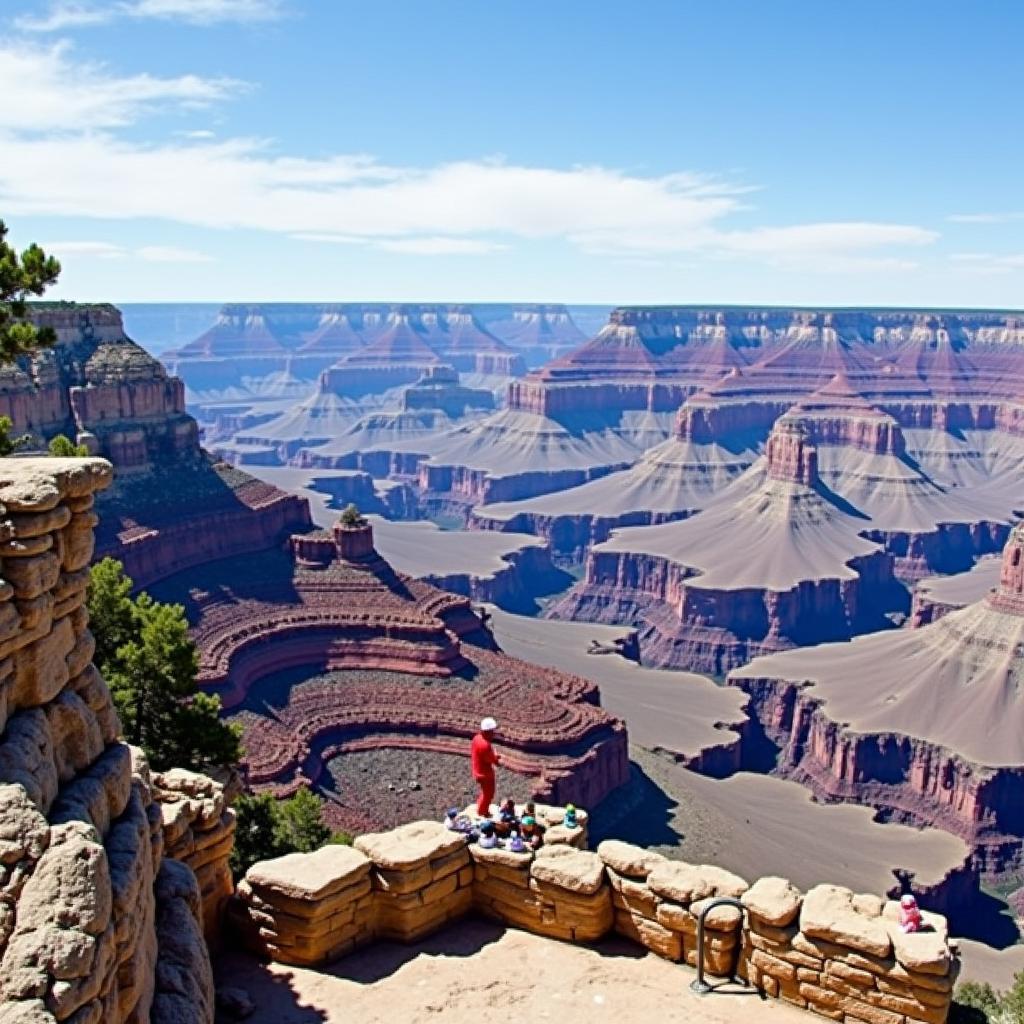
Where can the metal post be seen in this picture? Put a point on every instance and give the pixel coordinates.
(700, 986)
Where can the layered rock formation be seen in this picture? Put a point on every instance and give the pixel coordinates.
(98, 387)
(248, 344)
(924, 724)
(96, 920)
(339, 607)
(170, 506)
(952, 379)
(777, 561)
(832, 952)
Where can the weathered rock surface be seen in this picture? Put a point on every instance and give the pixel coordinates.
(96, 922)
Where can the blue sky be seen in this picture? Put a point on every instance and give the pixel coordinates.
(764, 152)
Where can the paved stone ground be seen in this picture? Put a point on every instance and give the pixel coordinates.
(475, 971)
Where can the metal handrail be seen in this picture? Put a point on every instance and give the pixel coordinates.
(700, 986)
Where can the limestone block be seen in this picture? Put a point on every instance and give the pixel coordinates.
(679, 919)
(77, 740)
(633, 896)
(36, 524)
(567, 868)
(98, 795)
(774, 901)
(27, 757)
(559, 835)
(627, 859)
(26, 547)
(683, 883)
(828, 913)
(450, 864)
(309, 877)
(650, 935)
(34, 575)
(78, 541)
(40, 669)
(38, 484)
(719, 919)
(922, 952)
(518, 863)
(409, 846)
(64, 906)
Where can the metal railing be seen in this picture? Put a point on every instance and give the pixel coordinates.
(700, 986)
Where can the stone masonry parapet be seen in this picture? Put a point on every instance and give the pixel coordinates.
(836, 953)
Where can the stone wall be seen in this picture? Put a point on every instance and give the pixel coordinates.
(96, 922)
(840, 955)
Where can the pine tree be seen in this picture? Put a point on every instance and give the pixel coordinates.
(300, 825)
(62, 447)
(22, 277)
(111, 609)
(256, 836)
(150, 663)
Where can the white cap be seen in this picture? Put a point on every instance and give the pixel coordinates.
(488, 725)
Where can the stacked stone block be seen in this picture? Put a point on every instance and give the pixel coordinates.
(199, 830)
(306, 908)
(658, 903)
(422, 877)
(560, 891)
(831, 952)
(81, 838)
(845, 957)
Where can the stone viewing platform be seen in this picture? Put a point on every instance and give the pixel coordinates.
(830, 951)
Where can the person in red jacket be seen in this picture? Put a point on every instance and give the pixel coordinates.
(484, 758)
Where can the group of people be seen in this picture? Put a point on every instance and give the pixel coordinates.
(507, 830)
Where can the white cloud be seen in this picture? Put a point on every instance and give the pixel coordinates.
(108, 250)
(197, 133)
(100, 250)
(987, 262)
(62, 156)
(42, 89)
(986, 218)
(65, 14)
(171, 254)
(435, 245)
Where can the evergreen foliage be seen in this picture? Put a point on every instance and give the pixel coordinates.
(352, 516)
(22, 277)
(979, 1003)
(63, 448)
(9, 445)
(150, 663)
(270, 828)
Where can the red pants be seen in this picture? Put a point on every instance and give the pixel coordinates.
(486, 784)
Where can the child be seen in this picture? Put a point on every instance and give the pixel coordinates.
(515, 842)
(506, 817)
(533, 833)
(488, 837)
(569, 821)
(910, 914)
(455, 822)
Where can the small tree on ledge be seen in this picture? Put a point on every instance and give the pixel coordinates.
(352, 517)
(62, 447)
